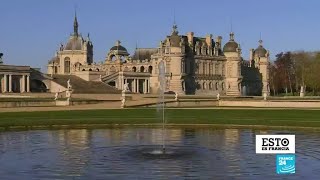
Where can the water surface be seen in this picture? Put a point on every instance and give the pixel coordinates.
(124, 154)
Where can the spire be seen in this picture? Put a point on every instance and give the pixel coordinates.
(75, 24)
(174, 27)
(260, 40)
(231, 36)
(118, 43)
(88, 37)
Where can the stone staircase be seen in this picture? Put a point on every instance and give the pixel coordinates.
(110, 77)
(81, 86)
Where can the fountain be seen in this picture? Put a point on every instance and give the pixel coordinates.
(161, 103)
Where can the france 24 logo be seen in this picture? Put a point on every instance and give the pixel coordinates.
(286, 164)
(275, 144)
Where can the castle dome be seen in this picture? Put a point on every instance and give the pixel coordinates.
(260, 51)
(231, 46)
(118, 47)
(74, 43)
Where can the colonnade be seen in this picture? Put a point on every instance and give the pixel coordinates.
(8, 82)
(138, 85)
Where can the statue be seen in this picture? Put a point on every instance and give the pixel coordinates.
(125, 88)
(218, 96)
(56, 96)
(302, 91)
(69, 85)
(265, 96)
(1, 54)
(68, 95)
(176, 96)
(123, 101)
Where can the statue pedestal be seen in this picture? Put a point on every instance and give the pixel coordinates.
(62, 103)
(125, 97)
(301, 94)
(302, 89)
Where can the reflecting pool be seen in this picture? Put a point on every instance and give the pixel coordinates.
(124, 153)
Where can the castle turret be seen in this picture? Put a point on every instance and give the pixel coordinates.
(262, 61)
(233, 78)
(174, 60)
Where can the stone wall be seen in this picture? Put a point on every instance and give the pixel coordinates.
(273, 104)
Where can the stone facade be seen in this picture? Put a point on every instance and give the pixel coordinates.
(193, 65)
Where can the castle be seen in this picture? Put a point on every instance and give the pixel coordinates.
(193, 65)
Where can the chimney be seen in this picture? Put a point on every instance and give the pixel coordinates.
(219, 41)
(190, 37)
(209, 40)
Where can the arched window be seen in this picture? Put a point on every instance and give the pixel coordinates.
(210, 85)
(134, 69)
(222, 86)
(217, 86)
(83, 70)
(150, 69)
(123, 59)
(142, 69)
(67, 65)
(90, 69)
(55, 69)
(113, 58)
(97, 69)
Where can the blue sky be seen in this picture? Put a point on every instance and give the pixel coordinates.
(31, 30)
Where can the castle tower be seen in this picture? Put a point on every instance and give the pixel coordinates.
(76, 52)
(233, 78)
(174, 60)
(262, 60)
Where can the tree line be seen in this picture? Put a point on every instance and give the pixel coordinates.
(293, 70)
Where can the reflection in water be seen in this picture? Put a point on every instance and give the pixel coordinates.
(123, 153)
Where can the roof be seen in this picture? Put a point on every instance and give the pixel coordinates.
(230, 46)
(260, 51)
(74, 43)
(55, 59)
(119, 48)
(144, 53)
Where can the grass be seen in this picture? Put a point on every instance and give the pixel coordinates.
(265, 117)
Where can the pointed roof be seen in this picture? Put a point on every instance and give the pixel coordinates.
(75, 25)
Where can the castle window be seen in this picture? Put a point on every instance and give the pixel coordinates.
(113, 58)
(216, 69)
(150, 69)
(142, 69)
(67, 65)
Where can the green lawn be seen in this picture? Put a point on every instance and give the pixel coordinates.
(298, 118)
